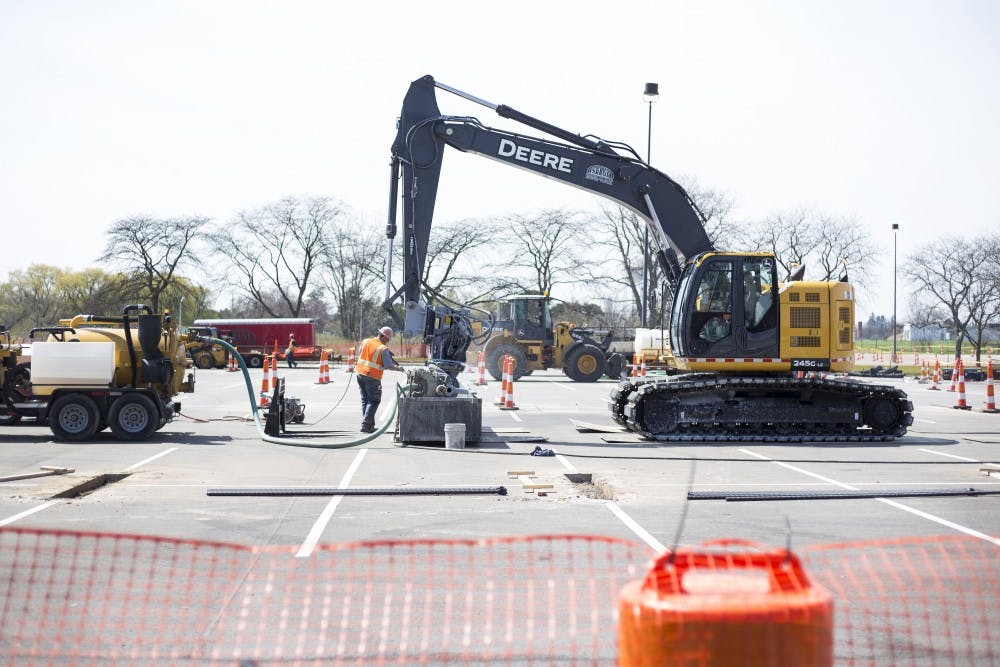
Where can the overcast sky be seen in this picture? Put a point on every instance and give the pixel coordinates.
(882, 110)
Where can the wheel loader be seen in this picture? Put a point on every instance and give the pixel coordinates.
(527, 334)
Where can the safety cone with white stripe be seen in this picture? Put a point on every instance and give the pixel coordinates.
(503, 381)
(233, 366)
(350, 360)
(991, 400)
(324, 368)
(481, 369)
(274, 372)
(509, 376)
(936, 378)
(962, 404)
(642, 367)
(635, 366)
(954, 374)
(265, 384)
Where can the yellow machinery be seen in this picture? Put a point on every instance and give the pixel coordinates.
(527, 334)
(95, 372)
(203, 353)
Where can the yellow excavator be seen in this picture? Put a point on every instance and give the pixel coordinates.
(759, 359)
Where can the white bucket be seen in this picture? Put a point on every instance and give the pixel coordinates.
(454, 436)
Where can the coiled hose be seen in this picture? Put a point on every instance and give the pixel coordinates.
(305, 442)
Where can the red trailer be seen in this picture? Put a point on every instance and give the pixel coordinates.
(255, 338)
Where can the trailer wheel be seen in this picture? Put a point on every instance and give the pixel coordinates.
(254, 360)
(74, 417)
(134, 417)
(204, 360)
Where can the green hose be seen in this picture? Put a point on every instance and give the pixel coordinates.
(310, 442)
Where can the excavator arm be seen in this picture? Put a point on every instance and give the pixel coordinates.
(584, 162)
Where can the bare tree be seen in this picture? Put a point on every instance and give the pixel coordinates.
(546, 244)
(276, 250)
(31, 298)
(151, 250)
(943, 273)
(623, 231)
(716, 206)
(354, 273)
(984, 296)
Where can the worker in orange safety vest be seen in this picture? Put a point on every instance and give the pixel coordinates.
(374, 358)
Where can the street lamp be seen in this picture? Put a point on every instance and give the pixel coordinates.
(651, 92)
(895, 232)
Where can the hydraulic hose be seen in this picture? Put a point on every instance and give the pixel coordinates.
(303, 442)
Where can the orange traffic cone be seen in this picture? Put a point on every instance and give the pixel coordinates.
(960, 369)
(274, 372)
(324, 368)
(937, 376)
(954, 374)
(265, 384)
(481, 369)
(233, 366)
(509, 376)
(635, 365)
(350, 360)
(642, 367)
(991, 401)
(504, 368)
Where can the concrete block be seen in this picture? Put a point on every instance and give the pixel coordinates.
(423, 419)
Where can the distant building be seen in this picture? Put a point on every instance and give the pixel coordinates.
(926, 332)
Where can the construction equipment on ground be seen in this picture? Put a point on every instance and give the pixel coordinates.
(526, 333)
(93, 372)
(205, 354)
(753, 352)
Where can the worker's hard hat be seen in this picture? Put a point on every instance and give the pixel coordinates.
(385, 331)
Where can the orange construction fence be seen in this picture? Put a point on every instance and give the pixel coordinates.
(90, 598)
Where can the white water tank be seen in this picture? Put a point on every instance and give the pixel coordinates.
(72, 364)
(650, 339)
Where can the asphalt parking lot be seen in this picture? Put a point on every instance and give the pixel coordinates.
(604, 484)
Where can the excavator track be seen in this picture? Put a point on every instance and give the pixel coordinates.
(698, 407)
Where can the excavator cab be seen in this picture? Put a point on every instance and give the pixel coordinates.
(726, 308)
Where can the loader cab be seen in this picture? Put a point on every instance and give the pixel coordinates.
(726, 307)
(529, 317)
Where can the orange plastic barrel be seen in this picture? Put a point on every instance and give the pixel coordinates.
(712, 606)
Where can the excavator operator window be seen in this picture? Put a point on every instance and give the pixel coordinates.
(759, 310)
(713, 308)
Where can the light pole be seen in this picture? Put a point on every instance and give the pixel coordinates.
(651, 92)
(895, 233)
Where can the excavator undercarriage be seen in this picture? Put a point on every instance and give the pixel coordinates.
(705, 406)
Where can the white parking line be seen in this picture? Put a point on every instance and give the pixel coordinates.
(635, 527)
(951, 456)
(151, 458)
(906, 508)
(324, 518)
(17, 517)
(566, 464)
(562, 385)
